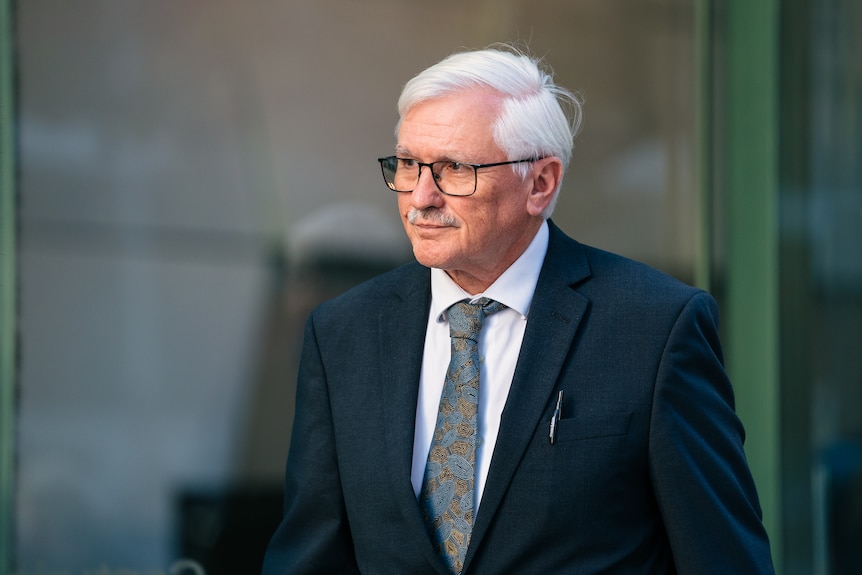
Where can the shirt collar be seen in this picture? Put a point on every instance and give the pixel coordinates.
(514, 288)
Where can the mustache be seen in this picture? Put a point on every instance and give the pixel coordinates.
(432, 215)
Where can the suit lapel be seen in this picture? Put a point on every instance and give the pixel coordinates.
(555, 314)
(401, 343)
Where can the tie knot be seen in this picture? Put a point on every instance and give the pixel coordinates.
(465, 318)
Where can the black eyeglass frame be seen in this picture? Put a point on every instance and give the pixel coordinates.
(476, 168)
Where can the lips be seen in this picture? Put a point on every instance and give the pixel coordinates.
(429, 230)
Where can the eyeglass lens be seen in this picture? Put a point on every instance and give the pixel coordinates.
(453, 178)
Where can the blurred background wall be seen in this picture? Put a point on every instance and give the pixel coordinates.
(195, 176)
(189, 173)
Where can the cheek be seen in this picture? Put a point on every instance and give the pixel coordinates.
(403, 201)
(491, 219)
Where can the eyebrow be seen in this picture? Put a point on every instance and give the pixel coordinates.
(401, 151)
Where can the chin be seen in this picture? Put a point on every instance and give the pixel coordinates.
(429, 258)
(426, 261)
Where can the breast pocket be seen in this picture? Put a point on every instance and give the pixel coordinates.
(593, 426)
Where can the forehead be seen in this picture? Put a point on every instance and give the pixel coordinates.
(459, 125)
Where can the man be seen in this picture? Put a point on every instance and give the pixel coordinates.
(590, 430)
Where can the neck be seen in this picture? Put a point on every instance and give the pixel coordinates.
(478, 280)
(470, 283)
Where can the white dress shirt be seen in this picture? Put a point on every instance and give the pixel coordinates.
(499, 347)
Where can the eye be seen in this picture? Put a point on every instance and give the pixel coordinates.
(456, 167)
(406, 163)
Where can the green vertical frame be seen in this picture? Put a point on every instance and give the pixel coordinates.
(704, 137)
(750, 92)
(8, 283)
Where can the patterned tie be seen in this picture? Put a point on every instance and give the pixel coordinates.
(447, 489)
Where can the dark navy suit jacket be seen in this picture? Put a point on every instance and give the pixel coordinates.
(647, 475)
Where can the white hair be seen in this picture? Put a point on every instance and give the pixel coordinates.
(538, 118)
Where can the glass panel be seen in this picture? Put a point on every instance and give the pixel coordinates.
(196, 176)
(835, 220)
(821, 260)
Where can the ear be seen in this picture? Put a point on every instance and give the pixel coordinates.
(546, 177)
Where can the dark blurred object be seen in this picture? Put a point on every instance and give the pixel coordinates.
(843, 465)
(227, 531)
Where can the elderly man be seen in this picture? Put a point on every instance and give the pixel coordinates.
(513, 401)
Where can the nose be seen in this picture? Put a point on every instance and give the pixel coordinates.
(426, 193)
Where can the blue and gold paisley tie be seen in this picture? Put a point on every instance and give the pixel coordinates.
(447, 496)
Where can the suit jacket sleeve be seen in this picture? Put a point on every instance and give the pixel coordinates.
(314, 536)
(697, 464)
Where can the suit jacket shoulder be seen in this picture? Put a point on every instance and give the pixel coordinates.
(601, 276)
(366, 301)
(393, 282)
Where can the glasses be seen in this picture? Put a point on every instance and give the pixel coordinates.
(451, 178)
